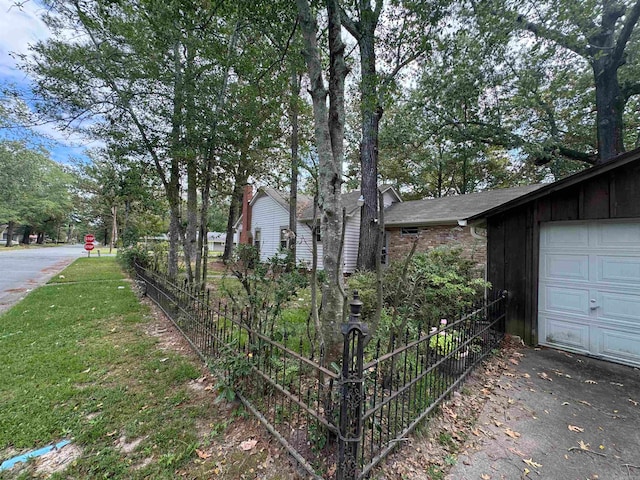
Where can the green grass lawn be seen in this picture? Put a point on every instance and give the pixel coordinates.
(78, 363)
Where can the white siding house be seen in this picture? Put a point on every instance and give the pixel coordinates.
(269, 212)
(270, 221)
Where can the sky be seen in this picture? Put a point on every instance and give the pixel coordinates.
(20, 27)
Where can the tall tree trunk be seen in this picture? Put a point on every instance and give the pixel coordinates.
(293, 194)
(329, 132)
(609, 109)
(371, 112)
(10, 229)
(25, 235)
(172, 260)
(234, 214)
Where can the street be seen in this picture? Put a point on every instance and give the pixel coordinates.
(23, 270)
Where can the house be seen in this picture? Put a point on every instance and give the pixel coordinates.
(217, 241)
(442, 221)
(569, 256)
(4, 232)
(429, 222)
(267, 217)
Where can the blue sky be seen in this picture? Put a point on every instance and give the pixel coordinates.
(20, 27)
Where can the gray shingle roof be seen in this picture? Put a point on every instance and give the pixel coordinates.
(450, 209)
(349, 203)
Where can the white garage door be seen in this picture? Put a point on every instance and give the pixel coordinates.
(589, 288)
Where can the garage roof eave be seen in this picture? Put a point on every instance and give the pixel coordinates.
(617, 162)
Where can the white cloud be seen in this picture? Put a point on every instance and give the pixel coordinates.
(19, 28)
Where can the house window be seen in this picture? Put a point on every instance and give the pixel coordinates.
(284, 238)
(257, 238)
(316, 232)
(410, 231)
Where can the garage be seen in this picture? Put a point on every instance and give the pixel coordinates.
(589, 288)
(569, 256)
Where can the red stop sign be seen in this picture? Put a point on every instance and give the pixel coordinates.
(88, 246)
(89, 239)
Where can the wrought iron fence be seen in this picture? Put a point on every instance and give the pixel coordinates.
(337, 425)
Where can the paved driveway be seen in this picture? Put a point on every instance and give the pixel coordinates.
(558, 416)
(23, 270)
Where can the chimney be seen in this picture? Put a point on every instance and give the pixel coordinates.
(245, 233)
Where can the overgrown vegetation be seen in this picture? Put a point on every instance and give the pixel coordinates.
(418, 293)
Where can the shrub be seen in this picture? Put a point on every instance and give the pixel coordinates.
(128, 257)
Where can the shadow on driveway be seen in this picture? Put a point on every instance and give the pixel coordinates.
(557, 416)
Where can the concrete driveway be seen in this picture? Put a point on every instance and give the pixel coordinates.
(557, 416)
(23, 270)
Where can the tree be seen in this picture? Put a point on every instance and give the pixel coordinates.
(402, 28)
(599, 34)
(329, 135)
(35, 191)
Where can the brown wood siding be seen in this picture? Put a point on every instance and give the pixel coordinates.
(514, 237)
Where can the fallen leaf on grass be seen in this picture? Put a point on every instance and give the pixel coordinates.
(484, 476)
(514, 361)
(544, 376)
(517, 452)
(531, 463)
(511, 433)
(573, 428)
(202, 454)
(248, 444)
(583, 446)
(635, 404)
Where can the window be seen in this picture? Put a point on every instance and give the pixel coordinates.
(410, 231)
(316, 232)
(257, 238)
(285, 234)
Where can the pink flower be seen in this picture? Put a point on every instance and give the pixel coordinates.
(443, 321)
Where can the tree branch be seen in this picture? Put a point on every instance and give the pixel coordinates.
(551, 34)
(630, 89)
(352, 27)
(627, 29)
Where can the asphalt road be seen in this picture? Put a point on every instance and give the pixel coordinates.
(23, 270)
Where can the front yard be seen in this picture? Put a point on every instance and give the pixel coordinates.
(84, 361)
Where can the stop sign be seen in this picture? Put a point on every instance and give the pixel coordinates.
(89, 238)
(88, 246)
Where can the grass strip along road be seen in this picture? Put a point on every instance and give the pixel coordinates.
(79, 363)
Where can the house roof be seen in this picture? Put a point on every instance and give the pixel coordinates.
(447, 210)
(349, 202)
(567, 182)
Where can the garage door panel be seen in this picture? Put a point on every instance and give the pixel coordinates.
(620, 345)
(619, 269)
(558, 332)
(566, 300)
(570, 237)
(617, 235)
(616, 307)
(566, 267)
(589, 288)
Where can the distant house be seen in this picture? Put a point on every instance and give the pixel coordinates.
(265, 223)
(217, 241)
(4, 233)
(431, 223)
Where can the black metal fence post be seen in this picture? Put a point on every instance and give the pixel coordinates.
(352, 380)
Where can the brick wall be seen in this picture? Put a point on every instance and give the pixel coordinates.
(434, 236)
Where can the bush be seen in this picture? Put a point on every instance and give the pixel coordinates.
(437, 284)
(128, 257)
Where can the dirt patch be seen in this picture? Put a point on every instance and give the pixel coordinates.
(57, 460)
(128, 447)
